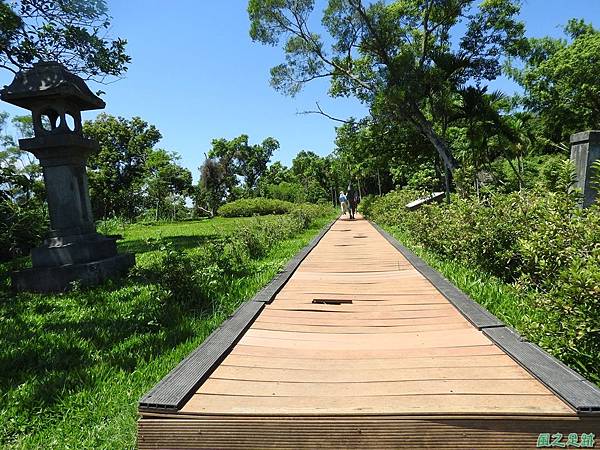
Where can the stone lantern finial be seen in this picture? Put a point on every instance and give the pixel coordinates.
(73, 250)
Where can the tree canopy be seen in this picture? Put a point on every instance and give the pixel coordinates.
(72, 32)
(239, 158)
(401, 58)
(561, 79)
(117, 170)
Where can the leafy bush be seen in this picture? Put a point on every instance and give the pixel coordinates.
(198, 274)
(22, 226)
(541, 241)
(113, 225)
(248, 207)
(290, 192)
(366, 204)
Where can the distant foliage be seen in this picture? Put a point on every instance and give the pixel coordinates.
(538, 240)
(289, 192)
(248, 207)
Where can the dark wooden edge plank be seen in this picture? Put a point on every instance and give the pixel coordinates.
(179, 385)
(582, 395)
(175, 389)
(578, 392)
(473, 312)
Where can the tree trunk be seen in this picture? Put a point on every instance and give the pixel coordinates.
(448, 180)
(519, 179)
(379, 181)
(427, 129)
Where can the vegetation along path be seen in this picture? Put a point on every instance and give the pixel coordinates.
(366, 346)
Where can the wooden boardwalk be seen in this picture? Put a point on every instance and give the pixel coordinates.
(359, 349)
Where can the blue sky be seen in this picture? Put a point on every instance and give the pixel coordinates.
(196, 75)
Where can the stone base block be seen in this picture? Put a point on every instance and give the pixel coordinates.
(59, 278)
(78, 252)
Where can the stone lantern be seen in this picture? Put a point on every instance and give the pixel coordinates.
(72, 251)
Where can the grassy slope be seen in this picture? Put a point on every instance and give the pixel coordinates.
(73, 366)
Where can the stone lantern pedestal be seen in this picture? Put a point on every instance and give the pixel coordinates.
(73, 251)
(585, 150)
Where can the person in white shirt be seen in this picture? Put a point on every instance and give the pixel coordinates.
(343, 202)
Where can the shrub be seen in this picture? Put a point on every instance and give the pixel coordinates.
(22, 226)
(366, 204)
(113, 225)
(196, 276)
(248, 207)
(291, 192)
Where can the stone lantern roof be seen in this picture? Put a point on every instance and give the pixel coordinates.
(46, 82)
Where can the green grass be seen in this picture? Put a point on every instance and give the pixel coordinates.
(183, 235)
(73, 366)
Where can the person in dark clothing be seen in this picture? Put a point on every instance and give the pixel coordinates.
(353, 200)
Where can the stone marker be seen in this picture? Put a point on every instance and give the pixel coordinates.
(73, 251)
(435, 197)
(585, 149)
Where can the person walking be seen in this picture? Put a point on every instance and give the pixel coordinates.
(343, 202)
(353, 200)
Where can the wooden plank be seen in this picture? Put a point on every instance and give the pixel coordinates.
(405, 404)
(352, 321)
(308, 301)
(354, 353)
(361, 312)
(241, 358)
(370, 375)
(392, 432)
(383, 305)
(253, 388)
(451, 338)
(424, 317)
(373, 329)
(353, 345)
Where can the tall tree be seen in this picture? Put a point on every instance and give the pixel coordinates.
(72, 32)
(166, 180)
(253, 160)
(117, 172)
(277, 173)
(212, 188)
(399, 57)
(312, 172)
(239, 158)
(561, 79)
